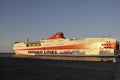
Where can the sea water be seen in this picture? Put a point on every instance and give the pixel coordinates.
(7, 54)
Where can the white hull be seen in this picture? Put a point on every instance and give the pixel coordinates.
(67, 47)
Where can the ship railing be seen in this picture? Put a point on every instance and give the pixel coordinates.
(16, 42)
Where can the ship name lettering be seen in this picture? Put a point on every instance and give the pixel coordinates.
(42, 52)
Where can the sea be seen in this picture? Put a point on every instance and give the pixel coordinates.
(7, 54)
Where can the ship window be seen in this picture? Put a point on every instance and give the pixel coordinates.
(105, 47)
(33, 44)
(109, 47)
(27, 45)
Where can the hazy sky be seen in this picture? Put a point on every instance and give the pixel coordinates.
(37, 19)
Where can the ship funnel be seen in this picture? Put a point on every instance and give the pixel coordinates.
(58, 35)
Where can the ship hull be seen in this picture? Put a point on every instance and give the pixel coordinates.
(74, 58)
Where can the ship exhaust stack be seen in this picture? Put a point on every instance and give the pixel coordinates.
(58, 35)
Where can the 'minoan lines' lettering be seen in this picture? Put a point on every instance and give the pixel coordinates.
(42, 52)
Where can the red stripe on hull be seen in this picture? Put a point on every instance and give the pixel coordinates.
(80, 46)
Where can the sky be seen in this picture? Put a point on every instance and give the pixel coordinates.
(38, 19)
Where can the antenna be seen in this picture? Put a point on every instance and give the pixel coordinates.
(27, 40)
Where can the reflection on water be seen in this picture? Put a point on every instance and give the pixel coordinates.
(7, 54)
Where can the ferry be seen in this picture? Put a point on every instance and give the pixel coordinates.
(60, 48)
